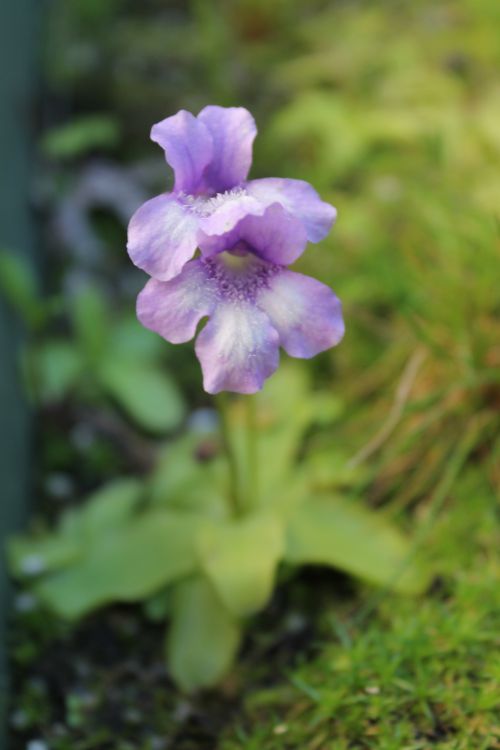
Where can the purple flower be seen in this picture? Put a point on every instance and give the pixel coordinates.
(211, 155)
(254, 303)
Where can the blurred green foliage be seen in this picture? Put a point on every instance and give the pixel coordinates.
(175, 531)
(80, 136)
(103, 357)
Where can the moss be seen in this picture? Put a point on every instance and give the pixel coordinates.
(407, 674)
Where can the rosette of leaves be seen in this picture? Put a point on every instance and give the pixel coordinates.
(172, 542)
(104, 356)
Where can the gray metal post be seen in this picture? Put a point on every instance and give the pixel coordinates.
(19, 30)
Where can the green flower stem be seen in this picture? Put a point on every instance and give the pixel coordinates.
(251, 451)
(234, 493)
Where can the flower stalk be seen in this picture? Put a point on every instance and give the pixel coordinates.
(242, 467)
(233, 495)
(251, 438)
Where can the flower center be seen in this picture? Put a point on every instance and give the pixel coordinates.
(204, 206)
(239, 274)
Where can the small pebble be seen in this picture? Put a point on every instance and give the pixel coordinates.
(19, 719)
(157, 743)
(132, 715)
(295, 622)
(59, 486)
(82, 668)
(82, 436)
(32, 565)
(59, 730)
(182, 711)
(37, 745)
(25, 602)
(280, 729)
(203, 421)
(37, 685)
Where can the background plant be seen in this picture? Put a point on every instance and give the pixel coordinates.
(213, 562)
(101, 356)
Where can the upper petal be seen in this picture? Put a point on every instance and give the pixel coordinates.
(305, 312)
(238, 349)
(162, 236)
(174, 308)
(233, 131)
(300, 199)
(227, 209)
(276, 236)
(188, 148)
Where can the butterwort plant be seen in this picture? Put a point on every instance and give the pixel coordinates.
(200, 542)
(245, 233)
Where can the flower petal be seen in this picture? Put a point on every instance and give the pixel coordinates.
(174, 308)
(233, 131)
(188, 148)
(276, 236)
(227, 209)
(162, 236)
(238, 349)
(300, 199)
(305, 312)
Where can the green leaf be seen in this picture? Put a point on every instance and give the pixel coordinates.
(130, 339)
(336, 532)
(30, 557)
(91, 322)
(284, 411)
(80, 136)
(148, 395)
(240, 559)
(326, 407)
(127, 563)
(182, 480)
(203, 636)
(327, 468)
(107, 508)
(57, 365)
(157, 607)
(19, 285)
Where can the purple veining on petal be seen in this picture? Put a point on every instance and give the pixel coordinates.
(253, 307)
(238, 277)
(188, 147)
(162, 236)
(300, 199)
(238, 349)
(233, 131)
(305, 312)
(174, 308)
